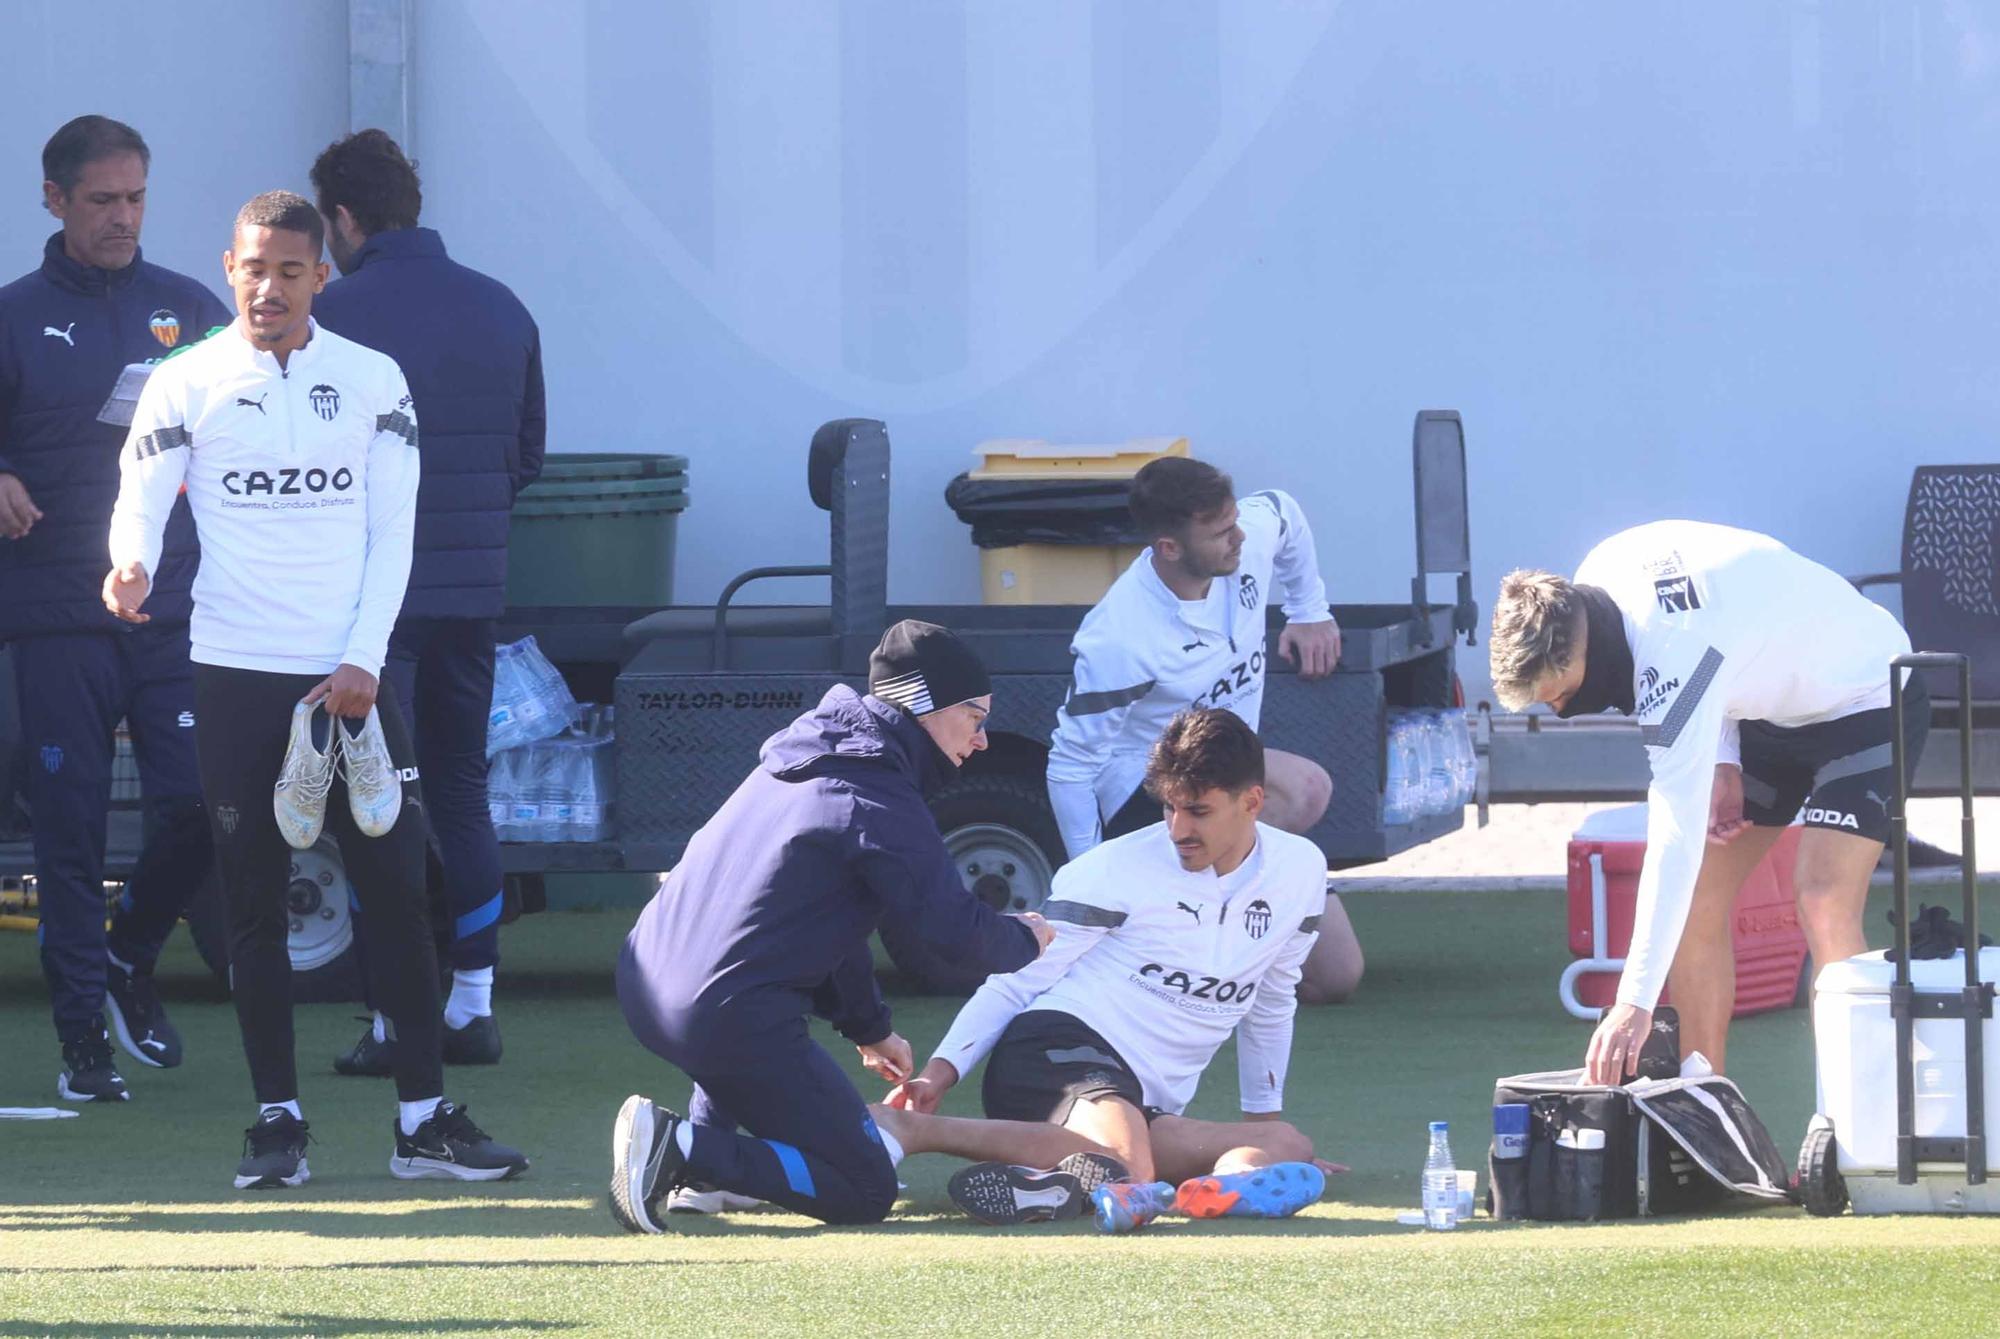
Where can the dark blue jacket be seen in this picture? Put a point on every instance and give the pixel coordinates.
(767, 916)
(473, 358)
(66, 331)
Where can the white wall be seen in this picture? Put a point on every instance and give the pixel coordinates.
(1735, 262)
(233, 99)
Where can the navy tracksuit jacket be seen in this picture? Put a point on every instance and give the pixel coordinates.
(767, 919)
(473, 359)
(66, 331)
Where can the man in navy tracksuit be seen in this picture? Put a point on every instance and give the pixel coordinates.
(473, 358)
(66, 331)
(766, 920)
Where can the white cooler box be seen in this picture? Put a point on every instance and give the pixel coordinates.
(1855, 1043)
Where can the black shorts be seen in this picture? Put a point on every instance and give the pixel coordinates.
(1046, 1062)
(1842, 772)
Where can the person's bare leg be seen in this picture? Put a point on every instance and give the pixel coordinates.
(1183, 1148)
(1022, 1143)
(1296, 791)
(1332, 971)
(1832, 882)
(1703, 975)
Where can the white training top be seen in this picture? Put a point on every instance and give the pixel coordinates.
(303, 484)
(1725, 626)
(1144, 654)
(1164, 964)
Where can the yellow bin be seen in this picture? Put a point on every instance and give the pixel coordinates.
(1061, 573)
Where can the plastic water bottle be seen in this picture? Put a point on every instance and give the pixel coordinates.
(1396, 780)
(1440, 1182)
(1465, 757)
(1440, 785)
(500, 785)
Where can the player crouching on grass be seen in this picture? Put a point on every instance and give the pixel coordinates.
(1168, 939)
(767, 919)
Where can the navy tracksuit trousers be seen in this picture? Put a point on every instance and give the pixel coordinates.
(811, 1145)
(442, 671)
(73, 689)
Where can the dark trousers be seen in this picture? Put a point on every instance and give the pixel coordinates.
(245, 721)
(811, 1145)
(73, 688)
(442, 669)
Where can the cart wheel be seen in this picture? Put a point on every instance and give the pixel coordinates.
(1822, 1190)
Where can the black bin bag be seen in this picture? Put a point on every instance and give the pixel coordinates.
(1669, 1146)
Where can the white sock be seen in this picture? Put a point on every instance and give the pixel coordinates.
(471, 997)
(894, 1148)
(291, 1106)
(412, 1114)
(684, 1138)
(383, 1029)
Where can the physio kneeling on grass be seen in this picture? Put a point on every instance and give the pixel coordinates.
(767, 919)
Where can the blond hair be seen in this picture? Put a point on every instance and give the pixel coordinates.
(1534, 633)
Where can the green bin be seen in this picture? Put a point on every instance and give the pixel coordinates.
(598, 528)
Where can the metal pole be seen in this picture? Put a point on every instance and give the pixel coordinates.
(1975, 1014)
(1901, 1000)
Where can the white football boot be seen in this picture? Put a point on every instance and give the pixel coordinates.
(299, 800)
(374, 790)
(696, 1199)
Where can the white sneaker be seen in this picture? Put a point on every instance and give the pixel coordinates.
(374, 791)
(299, 800)
(691, 1199)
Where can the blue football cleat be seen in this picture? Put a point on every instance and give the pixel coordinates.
(1277, 1191)
(1127, 1206)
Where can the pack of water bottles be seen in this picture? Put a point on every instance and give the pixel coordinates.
(530, 698)
(1432, 768)
(558, 789)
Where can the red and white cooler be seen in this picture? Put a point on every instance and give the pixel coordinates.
(1605, 856)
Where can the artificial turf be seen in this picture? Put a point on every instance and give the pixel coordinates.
(123, 1220)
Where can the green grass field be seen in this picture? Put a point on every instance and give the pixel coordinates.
(124, 1222)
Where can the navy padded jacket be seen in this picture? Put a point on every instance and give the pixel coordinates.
(66, 331)
(473, 358)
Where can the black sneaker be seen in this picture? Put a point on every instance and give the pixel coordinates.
(1092, 1170)
(138, 1018)
(449, 1147)
(646, 1163)
(368, 1058)
(274, 1152)
(88, 1074)
(477, 1043)
(1002, 1195)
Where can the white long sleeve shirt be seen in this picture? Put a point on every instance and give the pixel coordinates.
(1164, 964)
(303, 485)
(1143, 654)
(1725, 626)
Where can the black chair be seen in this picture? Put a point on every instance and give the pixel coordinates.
(1950, 575)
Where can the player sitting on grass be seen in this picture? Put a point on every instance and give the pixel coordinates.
(1168, 940)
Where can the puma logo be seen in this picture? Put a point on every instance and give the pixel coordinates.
(1194, 911)
(62, 334)
(1197, 642)
(256, 404)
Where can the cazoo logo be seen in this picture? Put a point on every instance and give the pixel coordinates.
(1199, 987)
(287, 482)
(1243, 674)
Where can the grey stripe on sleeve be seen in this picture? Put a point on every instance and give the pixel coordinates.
(1667, 731)
(1276, 506)
(1090, 704)
(160, 441)
(1082, 913)
(399, 423)
(1876, 759)
(1309, 925)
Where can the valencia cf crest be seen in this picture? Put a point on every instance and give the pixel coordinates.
(166, 327)
(1257, 918)
(325, 401)
(1246, 591)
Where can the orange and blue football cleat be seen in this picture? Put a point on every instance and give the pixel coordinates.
(1127, 1206)
(1277, 1191)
